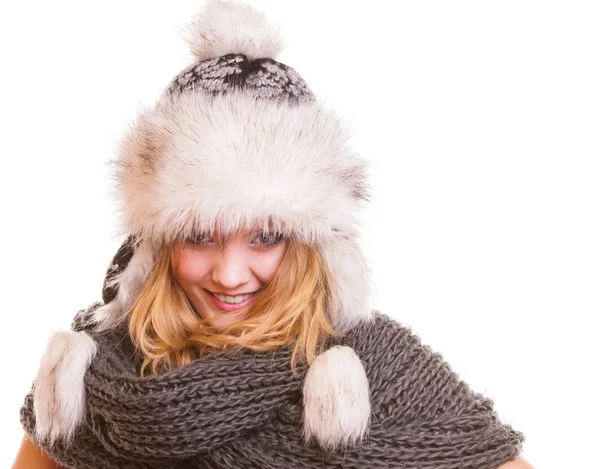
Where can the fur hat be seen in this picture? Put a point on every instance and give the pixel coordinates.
(238, 138)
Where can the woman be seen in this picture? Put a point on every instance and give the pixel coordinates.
(236, 328)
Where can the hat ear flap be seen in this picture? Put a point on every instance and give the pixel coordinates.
(352, 274)
(337, 405)
(124, 279)
(118, 264)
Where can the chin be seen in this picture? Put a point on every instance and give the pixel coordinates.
(220, 320)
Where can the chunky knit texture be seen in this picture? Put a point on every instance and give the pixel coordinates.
(244, 410)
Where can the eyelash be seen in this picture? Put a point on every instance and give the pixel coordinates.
(273, 239)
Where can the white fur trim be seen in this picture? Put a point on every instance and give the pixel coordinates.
(353, 278)
(194, 160)
(130, 283)
(232, 27)
(59, 391)
(337, 406)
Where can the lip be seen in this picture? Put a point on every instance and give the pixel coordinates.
(229, 307)
(229, 294)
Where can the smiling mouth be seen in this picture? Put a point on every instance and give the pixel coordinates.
(225, 306)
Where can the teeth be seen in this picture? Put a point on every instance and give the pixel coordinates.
(233, 299)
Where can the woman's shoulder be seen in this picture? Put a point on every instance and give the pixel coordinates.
(381, 333)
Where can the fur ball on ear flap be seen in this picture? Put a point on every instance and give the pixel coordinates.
(337, 404)
(225, 27)
(58, 390)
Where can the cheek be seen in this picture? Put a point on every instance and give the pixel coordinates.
(189, 267)
(269, 264)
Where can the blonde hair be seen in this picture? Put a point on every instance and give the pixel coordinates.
(292, 309)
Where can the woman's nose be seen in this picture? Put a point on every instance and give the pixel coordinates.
(231, 267)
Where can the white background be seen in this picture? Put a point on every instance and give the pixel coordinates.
(481, 122)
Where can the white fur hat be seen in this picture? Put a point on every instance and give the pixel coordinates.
(238, 138)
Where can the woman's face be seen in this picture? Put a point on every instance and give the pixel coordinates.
(239, 271)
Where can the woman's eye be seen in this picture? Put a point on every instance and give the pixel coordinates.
(199, 239)
(269, 239)
(264, 239)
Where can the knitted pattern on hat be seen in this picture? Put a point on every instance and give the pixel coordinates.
(263, 78)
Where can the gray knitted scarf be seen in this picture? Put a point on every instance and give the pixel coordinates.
(244, 410)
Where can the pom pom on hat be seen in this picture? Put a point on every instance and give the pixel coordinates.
(226, 27)
(59, 389)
